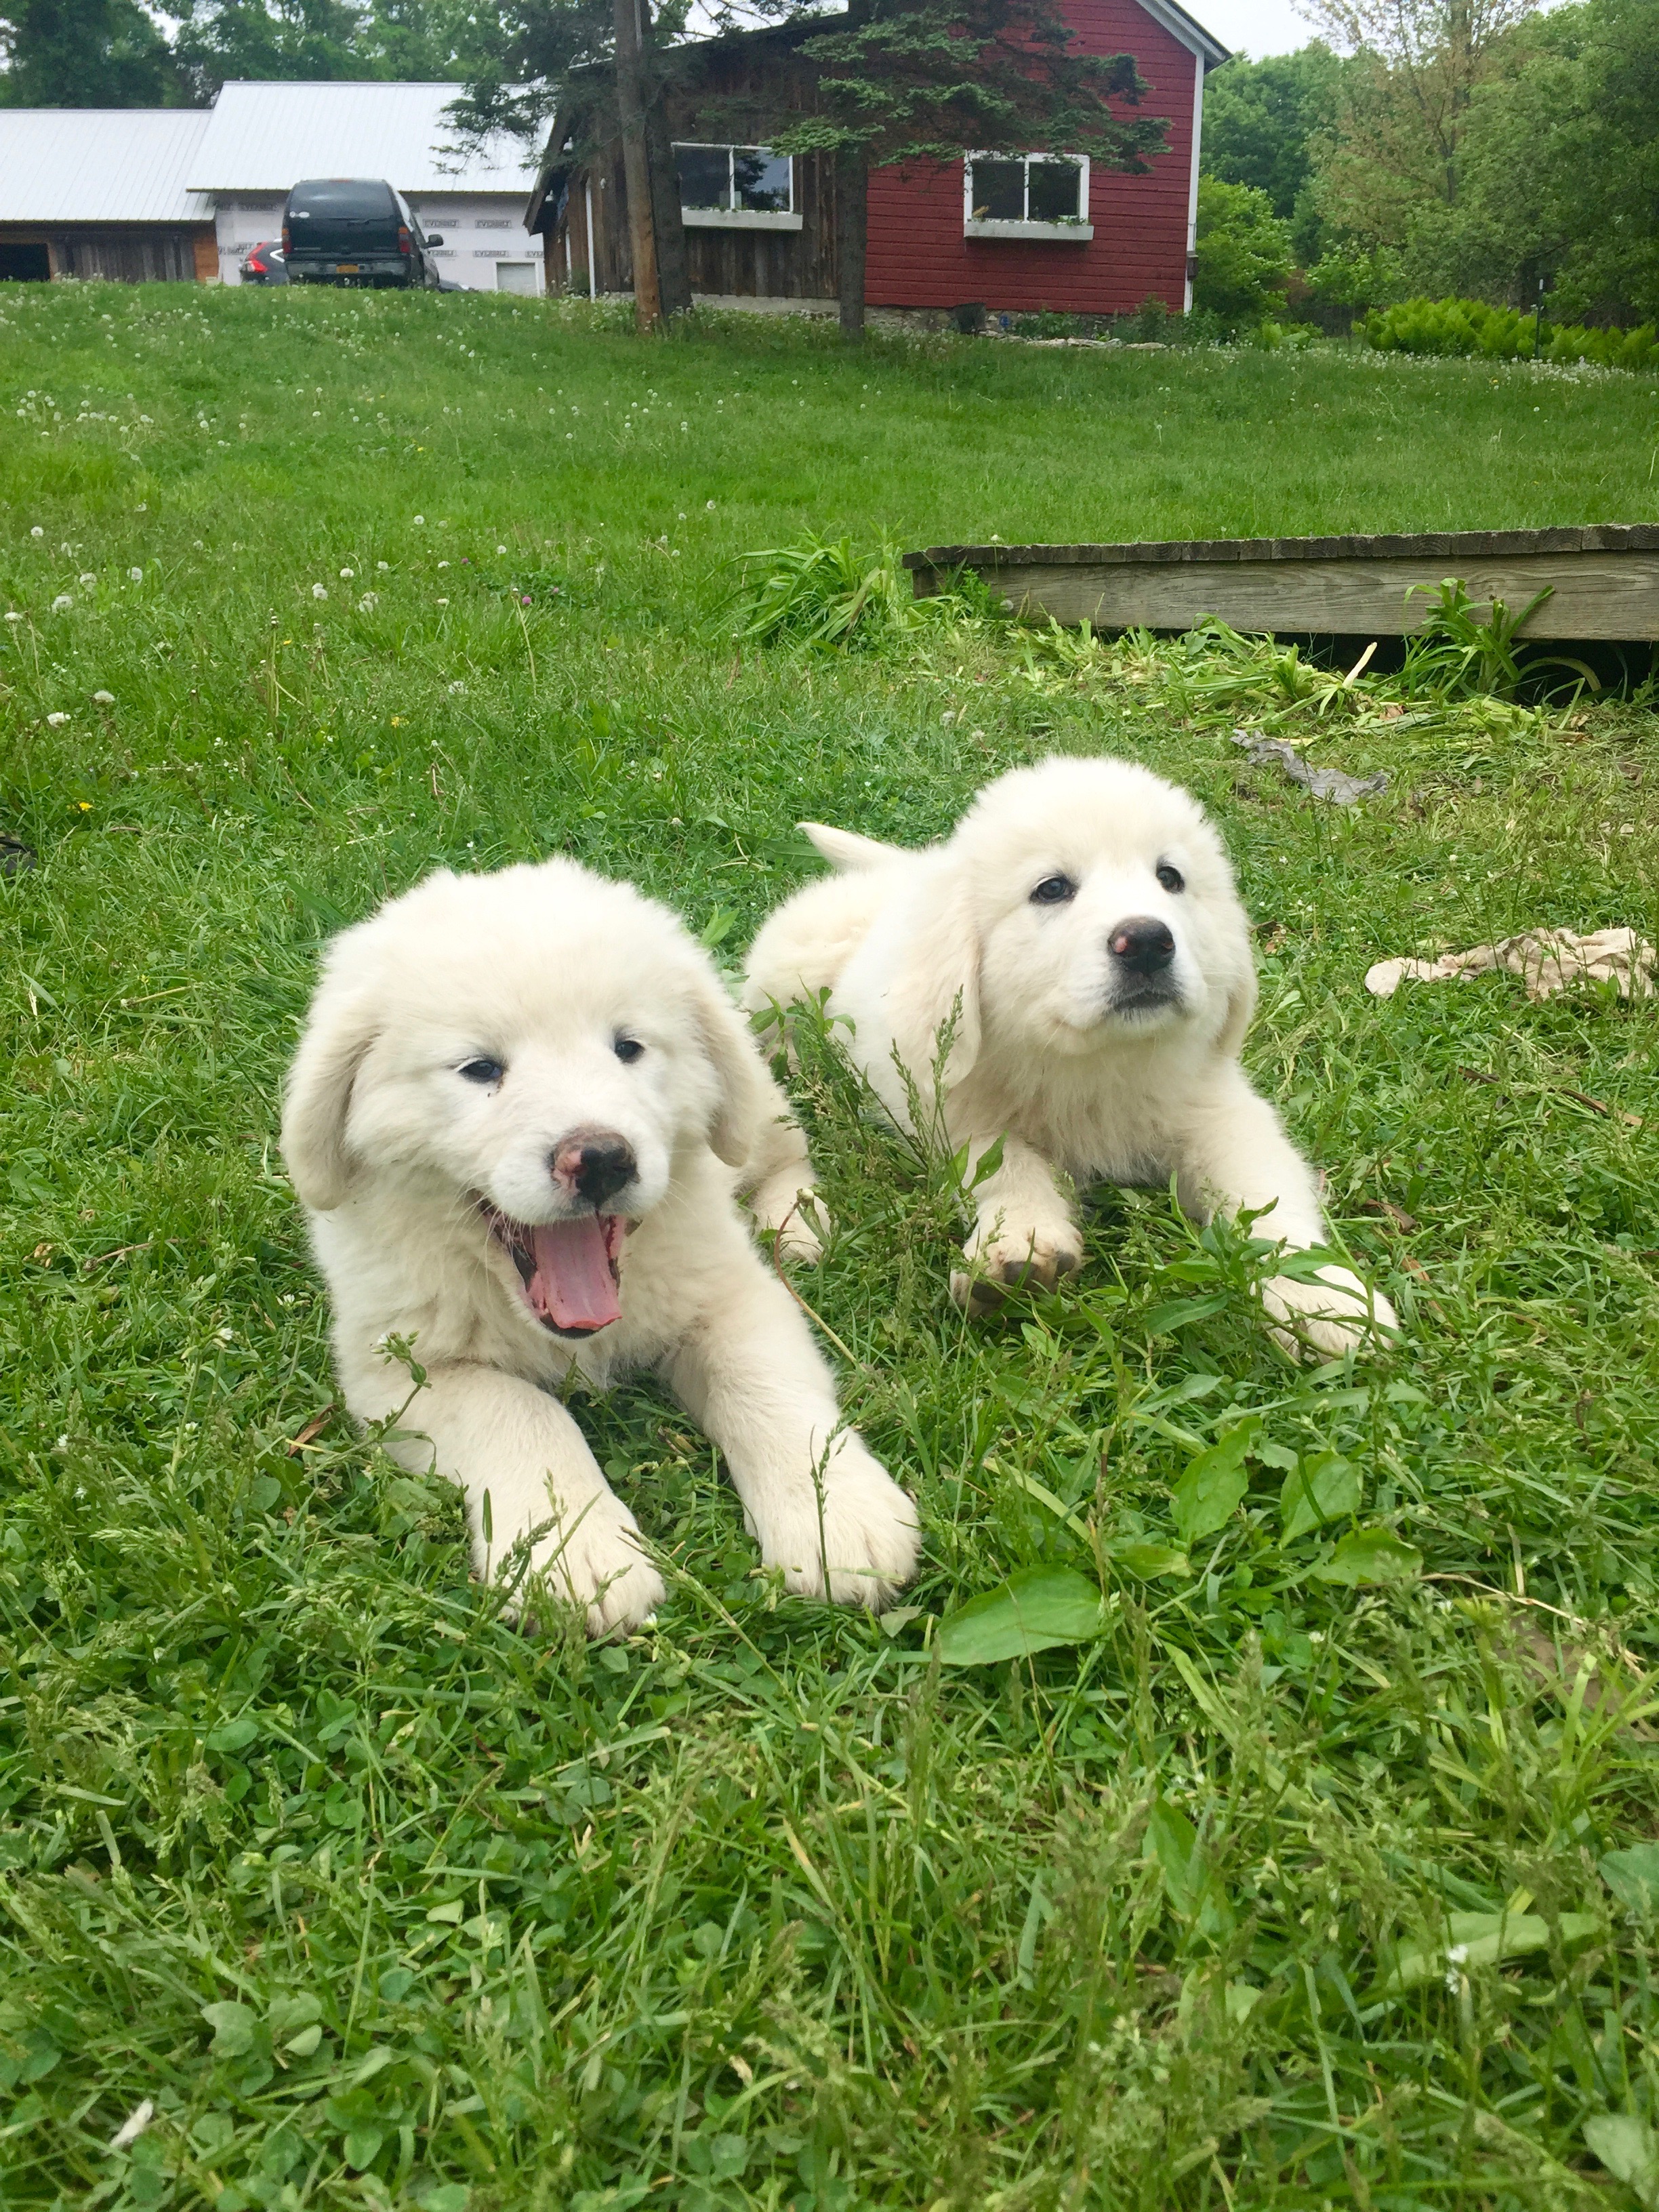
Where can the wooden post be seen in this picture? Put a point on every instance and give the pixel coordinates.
(637, 167)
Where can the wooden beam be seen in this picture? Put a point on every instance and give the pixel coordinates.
(1603, 580)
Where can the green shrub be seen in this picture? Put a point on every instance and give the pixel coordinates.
(1343, 278)
(1471, 326)
(823, 592)
(1243, 254)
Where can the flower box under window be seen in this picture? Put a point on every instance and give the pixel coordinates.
(736, 188)
(1027, 197)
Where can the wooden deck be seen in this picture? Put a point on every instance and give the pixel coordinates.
(1605, 580)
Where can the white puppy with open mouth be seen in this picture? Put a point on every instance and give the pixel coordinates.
(1081, 932)
(516, 1119)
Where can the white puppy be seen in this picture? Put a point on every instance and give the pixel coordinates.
(514, 1120)
(1081, 930)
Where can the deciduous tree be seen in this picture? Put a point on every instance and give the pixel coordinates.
(85, 53)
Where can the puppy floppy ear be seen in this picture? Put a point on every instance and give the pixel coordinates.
(747, 1098)
(1241, 1012)
(936, 978)
(1238, 985)
(342, 1028)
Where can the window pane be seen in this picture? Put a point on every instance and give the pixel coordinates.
(705, 175)
(763, 178)
(1056, 191)
(998, 193)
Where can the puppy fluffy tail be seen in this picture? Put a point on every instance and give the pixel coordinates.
(846, 852)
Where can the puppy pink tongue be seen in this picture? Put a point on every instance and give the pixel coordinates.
(573, 1286)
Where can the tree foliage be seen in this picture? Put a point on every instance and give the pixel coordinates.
(1474, 151)
(1260, 119)
(113, 53)
(908, 80)
(282, 40)
(85, 53)
(1243, 253)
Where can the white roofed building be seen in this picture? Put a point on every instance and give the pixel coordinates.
(103, 192)
(137, 194)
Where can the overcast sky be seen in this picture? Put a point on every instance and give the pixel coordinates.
(1253, 26)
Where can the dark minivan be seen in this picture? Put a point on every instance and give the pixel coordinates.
(355, 230)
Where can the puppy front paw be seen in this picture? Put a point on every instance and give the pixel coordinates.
(1002, 1259)
(597, 1563)
(1333, 1316)
(868, 1537)
(791, 1208)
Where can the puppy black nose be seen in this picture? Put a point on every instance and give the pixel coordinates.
(1143, 945)
(595, 1164)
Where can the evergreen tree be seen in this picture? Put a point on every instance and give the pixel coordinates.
(926, 80)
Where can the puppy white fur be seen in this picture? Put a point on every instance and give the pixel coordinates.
(515, 1119)
(1082, 930)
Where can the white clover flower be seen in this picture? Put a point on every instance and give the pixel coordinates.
(320, 591)
(369, 602)
(443, 603)
(443, 564)
(135, 575)
(88, 579)
(36, 532)
(708, 506)
(383, 566)
(56, 721)
(419, 520)
(501, 549)
(458, 686)
(10, 616)
(348, 573)
(136, 2121)
(103, 698)
(62, 604)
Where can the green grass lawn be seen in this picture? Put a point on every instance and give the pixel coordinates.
(376, 1900)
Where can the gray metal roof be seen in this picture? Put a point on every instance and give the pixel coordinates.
(100, 165)
(265, 137)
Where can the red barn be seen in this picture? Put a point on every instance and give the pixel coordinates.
(1013, 234)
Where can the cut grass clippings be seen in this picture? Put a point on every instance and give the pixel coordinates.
(1320, 1870)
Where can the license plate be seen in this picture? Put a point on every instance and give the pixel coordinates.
(347, 268)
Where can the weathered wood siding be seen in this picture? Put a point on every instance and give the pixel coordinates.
(147, 253)
(785, 264)
(1603, 580)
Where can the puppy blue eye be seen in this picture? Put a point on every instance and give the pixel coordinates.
(482, 1071)
(1171, 878)
(1053, 891)
(628, 1049)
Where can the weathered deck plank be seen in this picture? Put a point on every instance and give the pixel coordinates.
(1604, 579)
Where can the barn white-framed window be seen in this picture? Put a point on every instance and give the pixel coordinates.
(1026, 196)
(725, 187)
